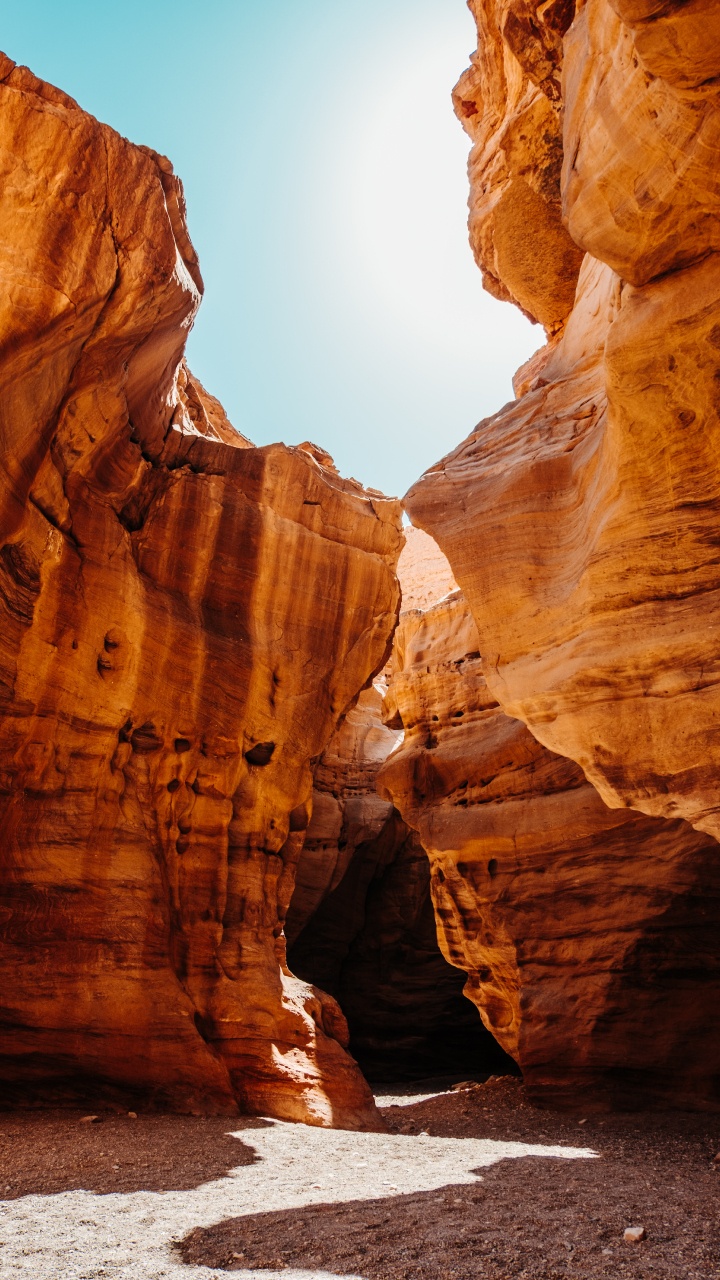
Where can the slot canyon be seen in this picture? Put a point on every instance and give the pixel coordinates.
(297, 799)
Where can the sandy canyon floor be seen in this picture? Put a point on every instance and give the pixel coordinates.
(469, 1184)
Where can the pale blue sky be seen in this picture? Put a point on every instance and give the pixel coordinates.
(325, 178)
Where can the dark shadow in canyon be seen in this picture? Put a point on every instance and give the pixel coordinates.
(46, 1153)
(372, 944)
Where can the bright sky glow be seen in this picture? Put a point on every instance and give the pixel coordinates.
(326, 187)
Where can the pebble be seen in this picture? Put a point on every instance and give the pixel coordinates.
(633, 1235)
(132, 1115)
(90, 1120)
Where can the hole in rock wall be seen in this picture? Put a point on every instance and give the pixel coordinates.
(361, 924)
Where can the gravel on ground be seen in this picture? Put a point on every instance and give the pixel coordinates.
(468, 1184)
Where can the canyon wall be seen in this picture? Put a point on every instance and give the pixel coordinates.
(185, 619)
(581, 524)
(588, 934)
(581, 520)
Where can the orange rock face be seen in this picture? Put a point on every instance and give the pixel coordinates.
(509, 104)
(184, 620)
(589, 934)
(580, 523)
(581, 520)
(424, 572)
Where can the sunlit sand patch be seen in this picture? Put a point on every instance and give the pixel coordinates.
(132, 1236)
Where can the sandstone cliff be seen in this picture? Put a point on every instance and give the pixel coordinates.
(185, 618)
(580, 524)
(580, 521)
(589, 935)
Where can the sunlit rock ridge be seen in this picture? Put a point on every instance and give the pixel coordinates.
(184, 618)
(581, 520)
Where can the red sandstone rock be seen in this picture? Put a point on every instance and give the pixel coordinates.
(361, 923)
(184, 620)
(640, 184)
(588, 934)
(424, 572)
(581, 521)
(373, 943)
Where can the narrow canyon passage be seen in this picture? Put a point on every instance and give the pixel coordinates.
(372, 944)
(361, 924)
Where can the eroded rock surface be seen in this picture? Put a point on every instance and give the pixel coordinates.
(509, 103)
(424, 572)
(581, 521)
(184, 620)
(589, 934)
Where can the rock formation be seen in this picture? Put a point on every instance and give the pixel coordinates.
(185, 618)
(580, 521)
(361, 923)
(509, 102)
(347, 811)
(589, 934)
(580, 524)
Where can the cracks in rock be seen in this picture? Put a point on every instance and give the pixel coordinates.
(52, 520)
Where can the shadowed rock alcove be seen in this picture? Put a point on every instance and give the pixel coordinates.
(372, 944)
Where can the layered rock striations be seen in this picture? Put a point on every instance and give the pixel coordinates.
(588, 934)
(581, 520)
(164, 684)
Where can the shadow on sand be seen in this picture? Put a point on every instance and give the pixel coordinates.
(46, 1153)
